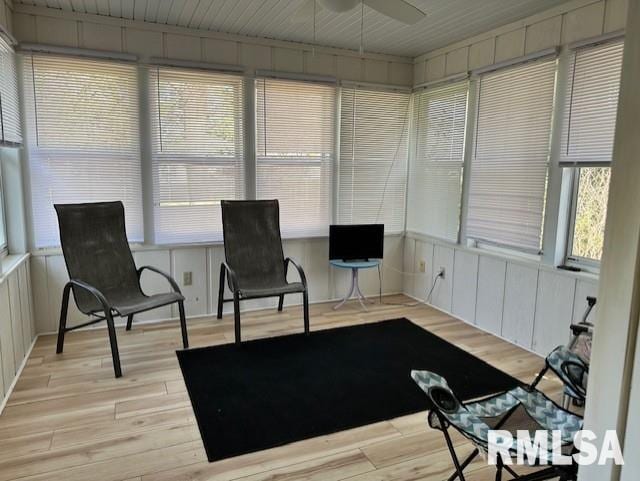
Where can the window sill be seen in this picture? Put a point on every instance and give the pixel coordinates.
(504, 256)
(136, 247)
(10, 263)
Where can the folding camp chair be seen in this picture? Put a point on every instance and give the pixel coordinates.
(571, 363)
(520, 408)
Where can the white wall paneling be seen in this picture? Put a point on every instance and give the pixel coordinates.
(408, 265)
(49, 276)
(193, 260)
(442, 259)
(584, 289)
(521, 287)
(271, 19)
(422, 281)
(6, 337)
(490, 296)
(554, 309)
(465, 287)
(16, 320)
(146, 40)
(565, 23)
(522, 301)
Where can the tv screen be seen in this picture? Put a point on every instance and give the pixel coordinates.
(360, 241)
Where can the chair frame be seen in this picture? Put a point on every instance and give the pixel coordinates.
(226, 272)
(108, 313)
(550, 472)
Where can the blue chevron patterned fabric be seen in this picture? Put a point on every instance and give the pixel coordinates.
(562, 359)
(467, 418)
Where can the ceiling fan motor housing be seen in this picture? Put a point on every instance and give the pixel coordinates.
(339, 5)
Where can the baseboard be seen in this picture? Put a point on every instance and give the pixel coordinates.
(122, 322)
(499, 336)
(18, 373)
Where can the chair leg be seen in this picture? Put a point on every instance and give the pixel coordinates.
(129, 322)
(63, 318)
(183, 325)
(465, 463)
(452, 451)
(280, 302)
(305, 307)
(115, 355)
(499, 469)
(221, 292)
(236, 316)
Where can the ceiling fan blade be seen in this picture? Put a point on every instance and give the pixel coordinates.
(397, 9)
(304, 13)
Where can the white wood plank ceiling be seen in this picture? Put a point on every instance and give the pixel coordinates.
(447, 21)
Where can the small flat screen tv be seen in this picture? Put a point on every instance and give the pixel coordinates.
(356, 242)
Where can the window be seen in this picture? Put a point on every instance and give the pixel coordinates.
(373, 157)
(197, 151)
(10, 133)
(589, 123)
(436, 173)
(509, 166)
(295, 142)
(3, 225)
(83, 138)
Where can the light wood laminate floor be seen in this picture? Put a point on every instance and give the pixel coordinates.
(69, 419)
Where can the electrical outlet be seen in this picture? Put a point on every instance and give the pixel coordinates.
(423, 265)
(441, 272)
(187, 278)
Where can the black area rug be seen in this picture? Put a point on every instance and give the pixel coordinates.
(275, 391)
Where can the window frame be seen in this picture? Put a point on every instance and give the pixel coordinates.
(167, 158)
(571, 260)
(264, 159)
(4, 247)
(473, 115)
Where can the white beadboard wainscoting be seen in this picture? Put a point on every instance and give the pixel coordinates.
(525, 302)
(325, 283)
(17, 327)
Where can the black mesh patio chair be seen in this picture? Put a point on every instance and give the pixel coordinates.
(102, 272)
(255, 266)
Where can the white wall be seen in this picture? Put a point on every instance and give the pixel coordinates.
(525, 302)
(6, 14)
(17, 327)
(568, 22)
(50, 276)
(54, 27)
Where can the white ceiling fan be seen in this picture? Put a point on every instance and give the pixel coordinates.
(397, 9)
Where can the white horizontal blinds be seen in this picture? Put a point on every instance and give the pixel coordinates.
(436, 173)
(589, 120)
(373, 157)
(510, 162)
(10, 132)
(197, 151)
(83, 138)
(295, 142)
(3, 232)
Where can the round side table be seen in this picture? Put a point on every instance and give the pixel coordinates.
(355, 266)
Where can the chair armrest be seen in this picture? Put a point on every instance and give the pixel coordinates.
(91, 290)
(303, 278)
(233, 279)
(174, 284)
(581, 328)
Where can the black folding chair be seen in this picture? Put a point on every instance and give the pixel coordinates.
(102, 272)
(255, 266)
